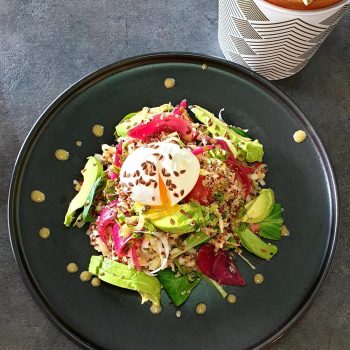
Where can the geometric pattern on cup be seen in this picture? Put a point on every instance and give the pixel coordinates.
(232, 9)
(238, 59)
(295, 29)
(299, 67)
(284, 46)
(331, 20)
(251, 11)
(227, 15)
(275, 49)
(245, 29)
(322, 36)
(241, 46)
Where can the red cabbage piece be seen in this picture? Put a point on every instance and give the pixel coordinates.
(119, 241)
(106, 220)
(166, 122)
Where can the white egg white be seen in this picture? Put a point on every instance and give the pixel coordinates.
(177, 167)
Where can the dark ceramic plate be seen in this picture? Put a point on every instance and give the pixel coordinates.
(112, 318)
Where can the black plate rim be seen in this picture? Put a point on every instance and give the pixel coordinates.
(167, 57)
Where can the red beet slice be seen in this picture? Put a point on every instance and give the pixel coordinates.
(219, 266)
(225, 271)
(205, 259)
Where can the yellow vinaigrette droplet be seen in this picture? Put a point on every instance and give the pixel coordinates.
(258, 278)
(156, 309)
(85, 276)
(231, 298)
(169, 83)
(72, 267)
(201, 308)
(37, 196)
(299, 136)
(98, 130)
(62, 154)
(44, 233)
(95, 282)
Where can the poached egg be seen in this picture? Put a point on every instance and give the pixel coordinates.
(159, 174)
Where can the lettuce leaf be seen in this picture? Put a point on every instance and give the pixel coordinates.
(271, 227)
(180, 287)
(190, 242)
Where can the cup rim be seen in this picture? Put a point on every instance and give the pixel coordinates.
(273, 7)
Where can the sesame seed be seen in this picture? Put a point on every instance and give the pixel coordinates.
(153, 199)
(170, 156)
(176, 173)
(182, 171)
(172, 221)
(161, 157)
(182, 211)
(176, 195)
(182, 192)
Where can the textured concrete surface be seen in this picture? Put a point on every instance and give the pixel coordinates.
(46, 45)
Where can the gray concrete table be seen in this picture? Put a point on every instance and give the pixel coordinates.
(46, 45)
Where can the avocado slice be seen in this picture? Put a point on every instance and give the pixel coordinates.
(123, 276)
(255, 245)
(92, 170)
(184, 218)
(135, 118)
(259, 208)
(251, 151)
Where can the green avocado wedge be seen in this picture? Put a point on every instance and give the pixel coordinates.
(249, 150)
(187, 218)
(100, 181)
(121, 275)
(92, 170)
(259, 208)
(255, 245)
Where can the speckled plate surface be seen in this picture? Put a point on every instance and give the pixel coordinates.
(111, 318)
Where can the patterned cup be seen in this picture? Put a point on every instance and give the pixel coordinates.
(273, 41)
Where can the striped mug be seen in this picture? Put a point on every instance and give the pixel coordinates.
(273, 41)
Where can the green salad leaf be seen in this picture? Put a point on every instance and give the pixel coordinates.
(255, 245)
(239, 131)
(190, 242)
(122, 276)
(271, 226)
(180, 287)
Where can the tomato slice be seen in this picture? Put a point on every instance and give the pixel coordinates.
(199, 193)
